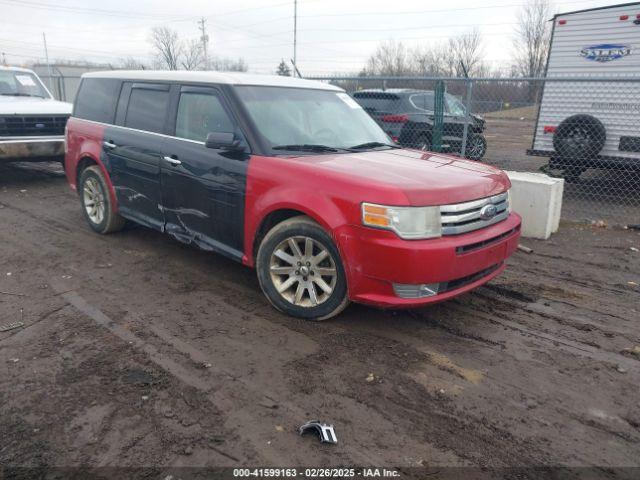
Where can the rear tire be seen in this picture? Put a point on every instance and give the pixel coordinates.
(423, 142)
(96, 202)
(300, 270)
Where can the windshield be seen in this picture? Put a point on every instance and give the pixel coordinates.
(455, 106)
(21, 84)
(305, 117)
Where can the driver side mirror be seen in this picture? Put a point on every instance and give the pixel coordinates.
(223, 141)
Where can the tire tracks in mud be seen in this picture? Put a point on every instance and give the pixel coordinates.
(224, 389)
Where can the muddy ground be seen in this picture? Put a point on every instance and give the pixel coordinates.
(139, 351)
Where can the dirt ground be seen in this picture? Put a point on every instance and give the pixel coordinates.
(139, 351)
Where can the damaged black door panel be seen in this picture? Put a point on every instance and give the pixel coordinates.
(134, 149)
(203, 188)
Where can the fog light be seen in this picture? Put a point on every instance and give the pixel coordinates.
(404, 290)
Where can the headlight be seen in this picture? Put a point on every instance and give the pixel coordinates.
(409, 223)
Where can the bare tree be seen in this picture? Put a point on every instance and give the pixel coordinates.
(228, 65)
(167, 47)
(466, 53)
(433, 60)
(532, 36)
(390, 58)
(192, 57)
(131, 63)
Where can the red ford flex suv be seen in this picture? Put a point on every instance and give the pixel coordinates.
(291, 177)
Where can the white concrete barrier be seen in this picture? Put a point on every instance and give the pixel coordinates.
(538, 199)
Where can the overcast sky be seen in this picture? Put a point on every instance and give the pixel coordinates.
(333, 35)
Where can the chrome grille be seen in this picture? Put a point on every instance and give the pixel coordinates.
(467, 217)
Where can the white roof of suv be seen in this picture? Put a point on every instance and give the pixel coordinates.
(231, 78)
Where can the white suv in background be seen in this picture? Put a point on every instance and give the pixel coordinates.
(32, 122)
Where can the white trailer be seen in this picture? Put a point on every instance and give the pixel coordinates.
(583, 124)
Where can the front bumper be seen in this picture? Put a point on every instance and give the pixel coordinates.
(377, 259)
(31, 148)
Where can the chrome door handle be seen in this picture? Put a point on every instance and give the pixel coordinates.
(173, 161)
(109, 144)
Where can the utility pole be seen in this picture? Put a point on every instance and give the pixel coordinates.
(205, 41)
(295, 35)
(46, 56)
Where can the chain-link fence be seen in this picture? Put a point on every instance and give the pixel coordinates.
(62, 87)
(584, 130)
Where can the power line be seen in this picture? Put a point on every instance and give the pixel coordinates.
(417, 12)
(86, 10)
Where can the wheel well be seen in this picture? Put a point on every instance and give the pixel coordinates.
(82, 164)
(270, 221)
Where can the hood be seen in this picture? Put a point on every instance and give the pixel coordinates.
(33, 106)
(425, 178)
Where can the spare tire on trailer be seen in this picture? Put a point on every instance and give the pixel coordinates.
(579, 136)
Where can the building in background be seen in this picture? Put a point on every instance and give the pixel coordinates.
(64, 80)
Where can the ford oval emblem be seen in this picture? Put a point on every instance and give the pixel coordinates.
(605, 52)
(488, 212)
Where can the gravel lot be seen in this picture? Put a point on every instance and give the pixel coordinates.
(139, 351)
(609, 195)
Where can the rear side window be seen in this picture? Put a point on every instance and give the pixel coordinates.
(200, 114)
(377, 102)
(423, 101)
(147, 109)
(97, 99)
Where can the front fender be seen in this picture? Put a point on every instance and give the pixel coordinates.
(319, 207)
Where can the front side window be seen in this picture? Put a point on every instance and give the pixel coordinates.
(21, 84)
(147, 109)
(299, 116)
(200, 114)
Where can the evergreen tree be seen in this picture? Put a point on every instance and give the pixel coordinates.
(283, 69)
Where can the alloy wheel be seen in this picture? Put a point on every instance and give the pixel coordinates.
(476, 148)
(303, 271)
(94, 201)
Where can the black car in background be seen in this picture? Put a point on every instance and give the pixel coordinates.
(407, 116)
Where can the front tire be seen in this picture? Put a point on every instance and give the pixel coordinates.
(96, 202)
(300, 270)
(476, 147)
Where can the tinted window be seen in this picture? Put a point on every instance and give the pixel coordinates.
(147, 109)
(423, 101)
(97, 99)
(200, 114)
(377, 102)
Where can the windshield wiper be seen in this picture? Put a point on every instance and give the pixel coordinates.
(366, 145)
(17, 94)
(306, 147)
